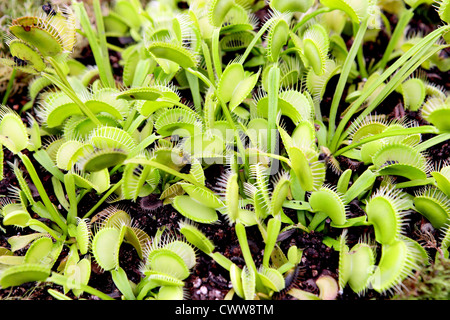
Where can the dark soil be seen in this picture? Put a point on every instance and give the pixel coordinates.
(208, 280)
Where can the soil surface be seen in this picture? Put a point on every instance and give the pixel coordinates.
(208, 280)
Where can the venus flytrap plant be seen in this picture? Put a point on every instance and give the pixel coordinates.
(34, 265)
(386, 210)
(43, 250)
(441, 176)
(137, 63)
(166, 264)
(121, 19)
(64, 158)
(328, 290)
(23, 193)
(205, 211)
(262, 281)
(269, 276)
(47, 41)
(19, 274)
(107, 147)
(304, 161)
(442, 250)
(235, 41)
(124, 285)
(401, 160)
(276, 38)
(14, 135)
(238, 18)
(16, 144)
(113, 218)
(435, 111)
(362, 184)
(316, 84)
(313, 48)
(434, 205)
(398, 261)
(430, 36)
(414, 92)
(228, 189)
(77, 270)
(326, 202)
(234, 86)
(290, 71)
(192, 233)
(356, 265)
(56, 108)
(14, 214)
(260, 84)
(273, 49)
(357, 102)
(174, 50)
(373, 140)
(138, 181)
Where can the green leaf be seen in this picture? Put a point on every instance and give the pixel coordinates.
(122, 283)
(105, 247)
(13, 133)
(23, 273)
(194, 210)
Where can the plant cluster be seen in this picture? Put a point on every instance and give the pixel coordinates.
(254, 104)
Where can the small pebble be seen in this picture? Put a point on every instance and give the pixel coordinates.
(216, 294)
(197, 283)
(203, 290)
